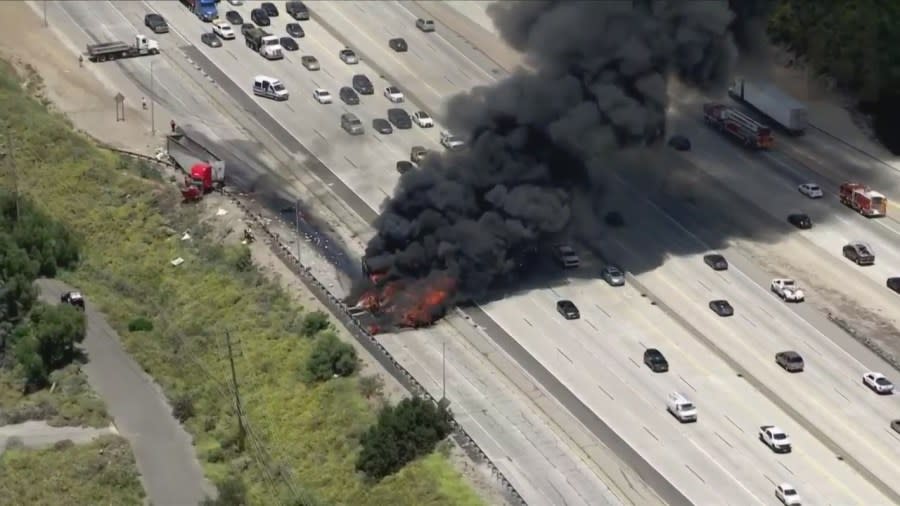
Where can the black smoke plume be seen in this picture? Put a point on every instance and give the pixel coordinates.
(597, 88)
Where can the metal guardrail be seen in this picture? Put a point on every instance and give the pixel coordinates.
(368, 341)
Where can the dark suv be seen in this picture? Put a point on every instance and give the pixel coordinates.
(655, 360)
(270, 9)
(260, 17)
(399, 118)
(348, 96)
(297, 10)
(716, 261)
(790, 361)
(156, 23)
(860, 253)
(721, 307)
(568, 310)
(362, 85)
(800, 220)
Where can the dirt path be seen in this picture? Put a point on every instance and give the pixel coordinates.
(37, 434)
(164, 451)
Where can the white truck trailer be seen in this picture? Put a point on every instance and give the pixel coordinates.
(777, 105)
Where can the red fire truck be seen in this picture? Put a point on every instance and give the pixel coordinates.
(863, 199)
(746, 129)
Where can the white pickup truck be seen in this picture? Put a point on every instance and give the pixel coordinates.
(788, 289)
(775, 438)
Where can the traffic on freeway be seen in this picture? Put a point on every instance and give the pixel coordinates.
(843, 448)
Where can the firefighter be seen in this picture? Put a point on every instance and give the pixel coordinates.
(81, 60)
(144, 103)
(172, 124)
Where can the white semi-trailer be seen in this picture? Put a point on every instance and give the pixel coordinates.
(766, 98)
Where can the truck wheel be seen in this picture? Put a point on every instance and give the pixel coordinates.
(154, 51)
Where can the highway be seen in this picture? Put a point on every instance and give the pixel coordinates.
(549, 455)
(833, 375)
(616, 325)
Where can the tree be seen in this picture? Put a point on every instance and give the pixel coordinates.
(330, 356)
(314, 322)
(231, 492)
(17, 296)
(57, 329)
(402, 433)
(33, 366)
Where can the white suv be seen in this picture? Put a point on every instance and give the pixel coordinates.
(393, 94)
(223, 30)
(322, 96)
(423, 119)
(811, 190)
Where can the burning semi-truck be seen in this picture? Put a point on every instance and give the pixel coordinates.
(388, 303)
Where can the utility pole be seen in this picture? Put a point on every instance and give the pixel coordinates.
(297, 222)
(10, 156)
(45, 13)
(443, 370)
(242, 431)
(152, 103)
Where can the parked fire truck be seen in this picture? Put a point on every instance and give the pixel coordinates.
(863, 199)
(746, 129)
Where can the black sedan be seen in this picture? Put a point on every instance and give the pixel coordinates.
(721, 307)
(894, 284)
(295, 30)
(655, 360)
(403, 166)
(716, 262)
(800, 220)
(382, 126)
(568, 310)
(288, 43)
(234, 17)
(348, 96)
(680, 143)
(211, 40)
(399, 45)
(269, 9)
(156, 23)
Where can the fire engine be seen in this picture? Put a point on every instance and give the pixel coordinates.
(863, 199)
(746, 129)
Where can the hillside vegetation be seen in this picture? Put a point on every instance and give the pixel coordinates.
(306, 415)
(38, 340)
(856, 42)
(100, 472)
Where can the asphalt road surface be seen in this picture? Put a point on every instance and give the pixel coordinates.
(615, 333)
(163, 450)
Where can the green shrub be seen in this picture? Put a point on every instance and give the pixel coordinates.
(329, 357)
(183, 408)
(402, 433)
(140, 324)
(371, 386)
(315, 322)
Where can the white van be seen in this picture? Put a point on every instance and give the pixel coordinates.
(681, 408)
(269, 87)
